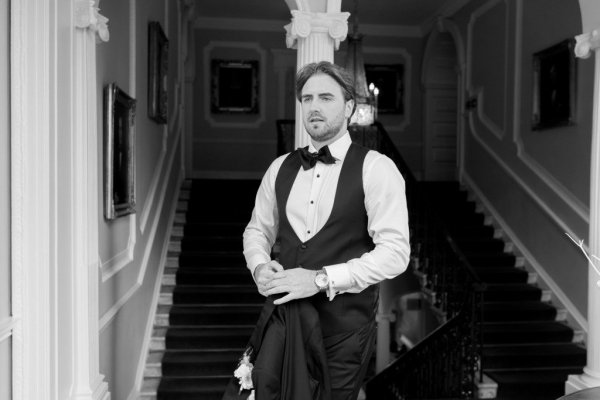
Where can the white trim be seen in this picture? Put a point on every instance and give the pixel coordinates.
(227, 174)
(31, 71)
(277, 26)
(151, 195)
(577, 317)
(139, 377)
(123, 258)
(262, 106)
(542, 173)
(447, 9)
(174, 148)
(497, 131)
(6, 328)
(526, 188)
(110, 314)
(116, 307)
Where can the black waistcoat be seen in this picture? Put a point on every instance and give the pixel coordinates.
(343, 237)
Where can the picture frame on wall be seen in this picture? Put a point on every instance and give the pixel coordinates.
(389, 79)
(119, 153)
(234, 86)
(158, 65)
(554, 86)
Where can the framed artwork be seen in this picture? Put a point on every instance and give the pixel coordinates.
(158, 62)
(234, 86)
(554, 86)
(119, 153)
(389, 79)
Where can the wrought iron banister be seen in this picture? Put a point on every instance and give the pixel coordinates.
(446, 364)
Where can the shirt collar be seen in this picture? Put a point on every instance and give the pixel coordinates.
(338, 149)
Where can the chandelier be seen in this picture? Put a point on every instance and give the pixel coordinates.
(366, 95)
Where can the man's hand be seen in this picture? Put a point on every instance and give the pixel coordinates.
(264, 273)
(298, 283)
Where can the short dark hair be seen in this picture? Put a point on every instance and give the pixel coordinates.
(339, 74)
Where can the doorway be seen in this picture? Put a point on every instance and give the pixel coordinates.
(440, 79)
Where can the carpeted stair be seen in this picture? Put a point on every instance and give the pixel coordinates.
(528, 348)
(209, 308)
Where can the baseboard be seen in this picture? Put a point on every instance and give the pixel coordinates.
(139, 377)
(574, 317)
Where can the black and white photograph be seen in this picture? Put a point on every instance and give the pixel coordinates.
(299, 199)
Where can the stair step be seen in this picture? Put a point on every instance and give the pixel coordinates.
(231, 229)
(542, 384)
(230, 338)
(518, 311)
(479, 245)
(502, 275)
(203, 294)
(527, 332)
(486, 260)
(233, 244)
(200, 363)
(482, 231)
(214, 315)
(183, 388)
(212, 259)
(512, 292)
(533, 356)
(206, 276)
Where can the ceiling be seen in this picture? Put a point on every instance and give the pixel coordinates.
(376, 12)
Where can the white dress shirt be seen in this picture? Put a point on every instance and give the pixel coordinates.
(309, 206)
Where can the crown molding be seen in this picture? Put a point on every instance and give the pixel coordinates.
(271, 25)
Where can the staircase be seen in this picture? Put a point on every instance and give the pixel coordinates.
(209, 303)
(527, 347)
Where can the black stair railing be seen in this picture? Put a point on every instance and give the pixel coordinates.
(447, 363)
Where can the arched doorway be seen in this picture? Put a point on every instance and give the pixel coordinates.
(441, 111)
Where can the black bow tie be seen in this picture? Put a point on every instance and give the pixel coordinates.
(309, 159)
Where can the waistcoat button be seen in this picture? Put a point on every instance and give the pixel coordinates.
(303, 247)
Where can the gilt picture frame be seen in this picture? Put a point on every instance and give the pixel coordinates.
(554, 86)
(119, 153)
(158, 65)
(234, 86)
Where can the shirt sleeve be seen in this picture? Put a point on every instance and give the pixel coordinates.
(261, 232)
(385, 203)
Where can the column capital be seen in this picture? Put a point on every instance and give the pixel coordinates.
(586, 43)
(87, 16)
(305, 22)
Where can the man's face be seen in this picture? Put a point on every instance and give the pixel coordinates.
(324, 110)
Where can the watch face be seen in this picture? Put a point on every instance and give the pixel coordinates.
(322, 280)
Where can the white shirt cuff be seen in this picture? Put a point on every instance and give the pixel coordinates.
(340, 279)
(254, 261)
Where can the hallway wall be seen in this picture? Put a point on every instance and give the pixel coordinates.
(535, 182)
(132, 248)
(243, 145)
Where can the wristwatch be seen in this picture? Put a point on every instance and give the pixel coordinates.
(322, 280)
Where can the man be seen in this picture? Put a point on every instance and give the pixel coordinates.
(341, 220)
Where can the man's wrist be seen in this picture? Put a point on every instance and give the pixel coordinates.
(321, 280)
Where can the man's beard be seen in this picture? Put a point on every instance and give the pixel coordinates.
(324, 130)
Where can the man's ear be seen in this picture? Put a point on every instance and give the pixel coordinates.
(349, 108)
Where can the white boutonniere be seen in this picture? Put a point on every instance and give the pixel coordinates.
(244, 373)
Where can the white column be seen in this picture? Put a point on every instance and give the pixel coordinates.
(87, 382)
(316, 35)
(586, 44)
